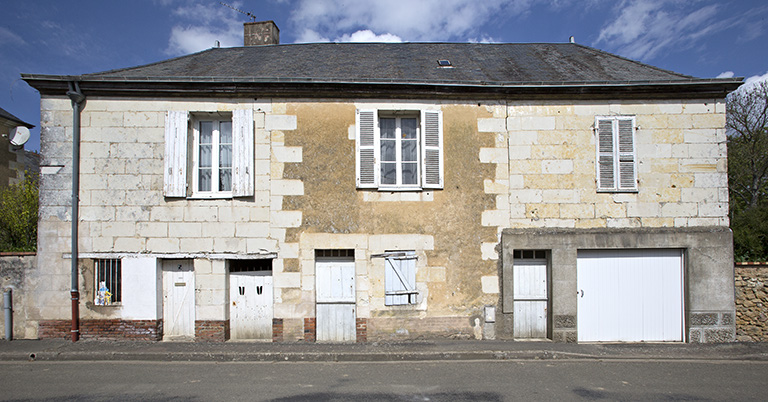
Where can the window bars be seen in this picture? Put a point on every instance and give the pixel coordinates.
(108, 282)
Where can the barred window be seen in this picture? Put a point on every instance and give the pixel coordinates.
(108, 281)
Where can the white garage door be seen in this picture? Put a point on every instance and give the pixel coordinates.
(630, 295)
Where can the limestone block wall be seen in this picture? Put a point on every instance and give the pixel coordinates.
(681, 156)
(751, 302)
(14, 270)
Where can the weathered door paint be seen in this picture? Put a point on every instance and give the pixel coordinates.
(530, 298)
(178, 299)
(335, 320)
(630, 295)
(250, 311)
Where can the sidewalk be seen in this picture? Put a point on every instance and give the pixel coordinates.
(441, 350)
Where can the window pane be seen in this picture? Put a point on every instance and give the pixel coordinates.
(408, 128)
(388, 152)
(388, 173)
(387, 127)
(206, 132)
(204, 180)
(225, 132)
(205, 156)
(225, 155)
(225, 179)
(409, 151)
(410, 171)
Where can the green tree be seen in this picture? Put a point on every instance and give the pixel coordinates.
(747, 125)
(18, 216)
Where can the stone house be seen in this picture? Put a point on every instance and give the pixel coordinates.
(372, 191)
(13, 158)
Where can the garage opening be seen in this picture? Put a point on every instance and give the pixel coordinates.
(630, 295)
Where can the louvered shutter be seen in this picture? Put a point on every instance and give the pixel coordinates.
(242, 157)
(432, 149)
(605, 154)
(400, 280)
(366, 149)
(626, 154)
(175, 161)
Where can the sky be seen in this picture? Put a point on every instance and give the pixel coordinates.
(702, 38)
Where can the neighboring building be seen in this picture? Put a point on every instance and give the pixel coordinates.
(13, 159)
(372, 191)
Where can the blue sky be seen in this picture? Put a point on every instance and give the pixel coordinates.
(702, 38)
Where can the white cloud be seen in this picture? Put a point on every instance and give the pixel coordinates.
(725, 74)
(423, 20)
(368, 36)
(643, 29)
(755, 79)
(8, 37)
(310, 36)
(200, 26)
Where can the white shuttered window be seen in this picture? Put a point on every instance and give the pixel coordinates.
(399, 150)
(221, 154)
(616, 156)
(400, 279)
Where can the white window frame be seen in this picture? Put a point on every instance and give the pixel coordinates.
(398, 185)
(616, 156)
(429, 149)
(400, 278)
(182, 153)
(214, 192)
(110, 271)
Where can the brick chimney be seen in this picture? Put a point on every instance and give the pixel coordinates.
(261, 33)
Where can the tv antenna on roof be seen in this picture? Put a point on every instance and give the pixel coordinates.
(251, 16)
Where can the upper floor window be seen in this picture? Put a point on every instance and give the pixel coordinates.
(616, 159)
(399, 150)
(221, 154)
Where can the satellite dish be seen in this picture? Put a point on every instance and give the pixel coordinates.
(19, 135)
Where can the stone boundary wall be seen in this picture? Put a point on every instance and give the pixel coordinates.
(14, 268)
(751, 301)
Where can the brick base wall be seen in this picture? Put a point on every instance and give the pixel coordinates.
(361, 330)
(310, 331)
(751, 302)
(147, 330)
(277, 330)
(379, 328)
(211, 330)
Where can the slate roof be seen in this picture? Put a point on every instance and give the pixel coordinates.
(6, 115)
(472, 65)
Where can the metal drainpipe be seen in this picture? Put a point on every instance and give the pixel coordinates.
(8, 306)
(77, 99)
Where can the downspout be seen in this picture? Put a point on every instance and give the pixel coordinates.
(77, 99)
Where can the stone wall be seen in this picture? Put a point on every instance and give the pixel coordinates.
(14, 268)
(751, 301)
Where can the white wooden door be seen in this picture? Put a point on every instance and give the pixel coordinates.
(630, 295)
(250, 311)
(335, 315)
(178, 299)
(530, 298)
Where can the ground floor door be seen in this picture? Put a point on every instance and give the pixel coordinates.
(630, 295)
(178, 299)
(335, 289)
(530, 298)
(250, 310)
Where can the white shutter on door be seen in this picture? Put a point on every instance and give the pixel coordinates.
(605, 155)
(175, 161)
(626, 154)
(242, 157)
(432, 149)
(366, 149)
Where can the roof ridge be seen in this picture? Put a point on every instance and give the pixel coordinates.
(632, 61)
(155, 63)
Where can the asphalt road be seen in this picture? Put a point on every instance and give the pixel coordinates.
(407, 381)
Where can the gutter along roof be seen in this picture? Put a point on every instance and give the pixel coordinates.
(405, 70)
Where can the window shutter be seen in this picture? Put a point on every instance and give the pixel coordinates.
(366, 147)
(605, 155)
(242, 157)
(626, 154)
(175, 161)
(400, 280)
(432, 149)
